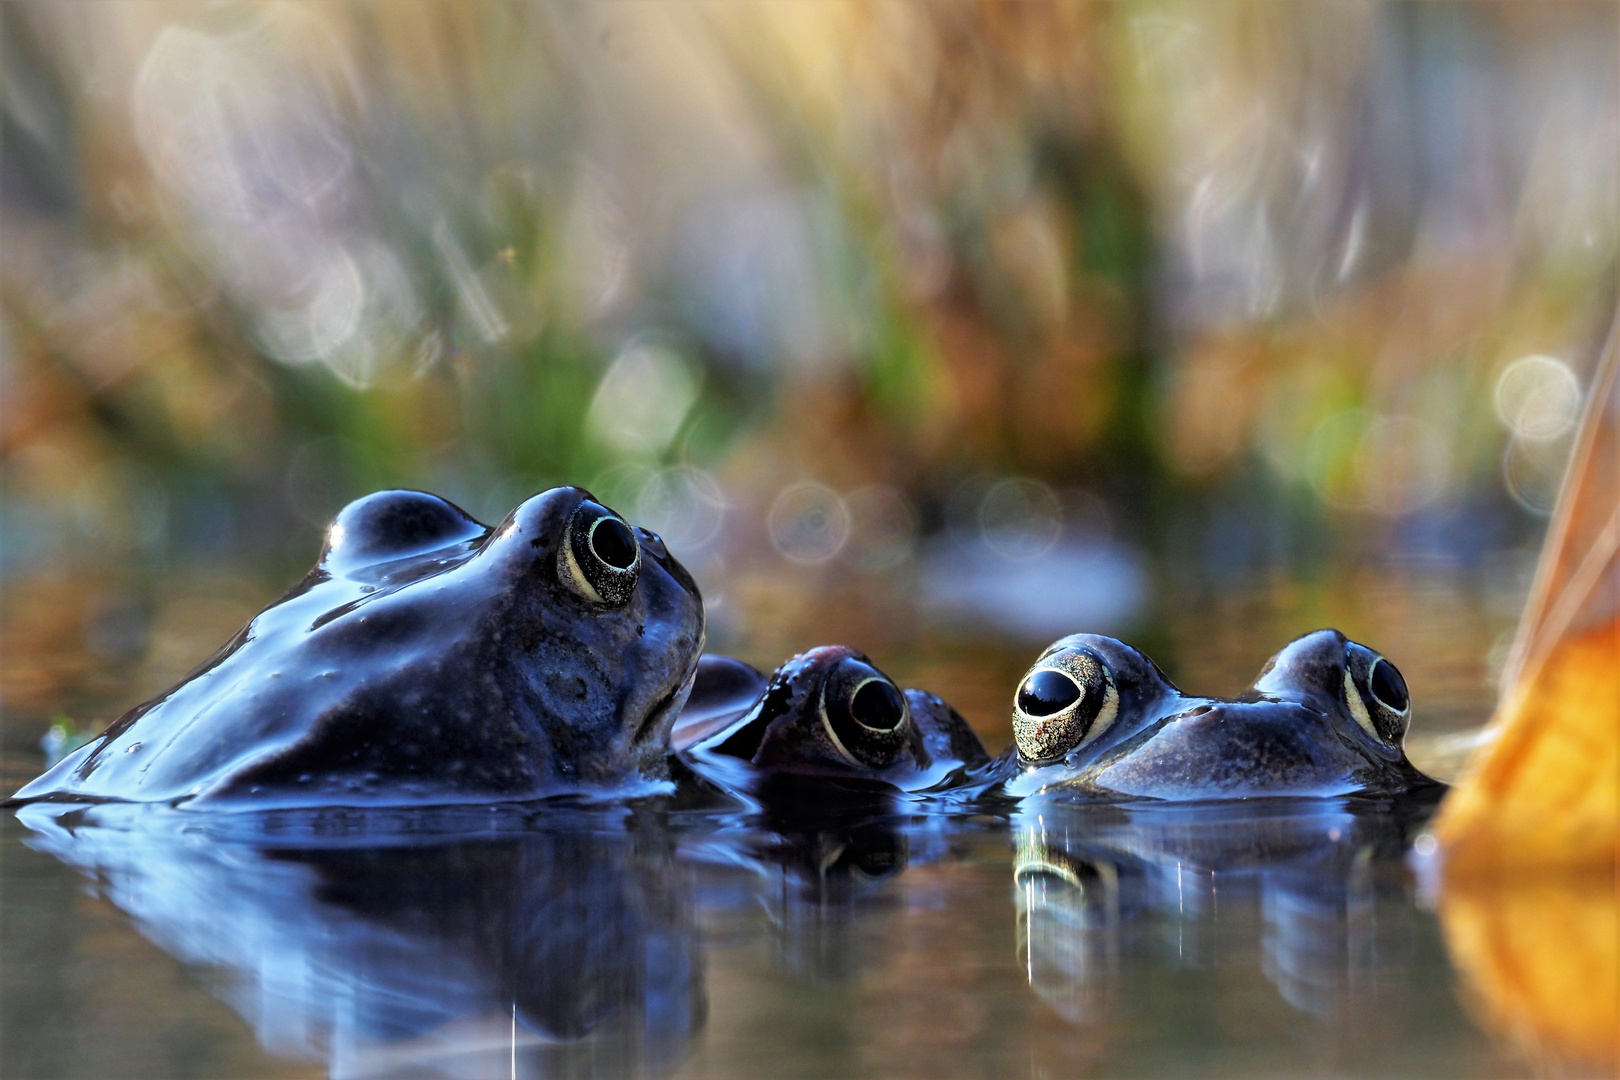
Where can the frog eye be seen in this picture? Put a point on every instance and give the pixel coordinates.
(864, 714)
(1067, 699)
(600, 554)
(1376, 694)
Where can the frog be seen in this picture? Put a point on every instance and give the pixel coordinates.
(1094, 718)
(826, 723)
(427, 658)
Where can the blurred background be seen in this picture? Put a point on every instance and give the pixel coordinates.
(937, 329)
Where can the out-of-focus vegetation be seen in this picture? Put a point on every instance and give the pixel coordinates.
(944, 327)
(1047, 312)
(1528, 841)
(1546, 794)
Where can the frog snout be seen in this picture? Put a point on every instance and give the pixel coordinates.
(1230, 719)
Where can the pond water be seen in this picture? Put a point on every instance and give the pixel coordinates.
(1278, 939)
(1265, 938)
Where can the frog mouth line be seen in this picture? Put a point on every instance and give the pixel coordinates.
(667, 704)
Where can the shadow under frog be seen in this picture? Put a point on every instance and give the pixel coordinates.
(429, 942)
(1096, 719)
(427, 658)
(827, 725)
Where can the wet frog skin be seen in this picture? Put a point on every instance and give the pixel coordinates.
(427, 658)
(1095, 718)
(826, 721)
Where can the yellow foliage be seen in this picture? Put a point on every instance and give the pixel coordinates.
(1544, 792)
(1530, 836)
(1530, 846)
(1547, 791)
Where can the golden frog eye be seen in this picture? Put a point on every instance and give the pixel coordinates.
(1067, 699)
(1046, 692)
(600, 554)
(1388, 687)
(864, 714)
(1376, 694)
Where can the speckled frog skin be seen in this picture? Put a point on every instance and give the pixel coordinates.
(825, 721)
(1095, 718)
(427, 658)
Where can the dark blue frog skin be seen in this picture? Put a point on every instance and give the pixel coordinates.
(825, 723)
(1095, 718)
(427, 658)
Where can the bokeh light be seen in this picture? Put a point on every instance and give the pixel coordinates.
(936, 329)
(1114, 300)
(809, 523)
(1538, 398)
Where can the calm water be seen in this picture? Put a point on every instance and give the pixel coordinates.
(1282, 939)
(1276, 939)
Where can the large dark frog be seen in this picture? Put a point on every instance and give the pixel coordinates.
(825, 722)
(427, 658)
(1096, 718)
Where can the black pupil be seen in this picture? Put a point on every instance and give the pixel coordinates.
(1047, 692)
(1388, 686)
(878, 705)
(614, 543)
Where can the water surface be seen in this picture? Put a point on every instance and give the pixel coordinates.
(1279, 937)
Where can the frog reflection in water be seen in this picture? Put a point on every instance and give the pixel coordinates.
(1096, 718)
(488, 941)
(427, 658)
(825, 721)
(1309, 893)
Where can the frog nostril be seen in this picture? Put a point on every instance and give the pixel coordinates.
(1047, 692)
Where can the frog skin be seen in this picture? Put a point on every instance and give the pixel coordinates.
(427, 658)
(825, 721)
(1095, 718)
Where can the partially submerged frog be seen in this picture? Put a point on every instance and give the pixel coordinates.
(427, 658)
(1096, 718)
(825, 721)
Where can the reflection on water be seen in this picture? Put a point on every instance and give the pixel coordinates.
(368, 943)
(1260, 939)
(814, 886)
(1310, 877)
(1267, 937)
(1539, 959)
